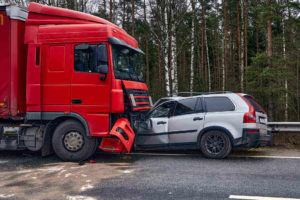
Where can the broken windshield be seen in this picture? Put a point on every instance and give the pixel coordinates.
(128, 63)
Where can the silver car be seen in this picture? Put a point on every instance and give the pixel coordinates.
(212, 122)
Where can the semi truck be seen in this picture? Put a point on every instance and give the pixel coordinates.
(70, 82)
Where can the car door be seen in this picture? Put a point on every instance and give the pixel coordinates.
(153, 131)
(186, 122)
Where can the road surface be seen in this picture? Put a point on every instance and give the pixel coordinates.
(256, 174)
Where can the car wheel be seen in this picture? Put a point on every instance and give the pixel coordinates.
(70, 142)
(215, 144)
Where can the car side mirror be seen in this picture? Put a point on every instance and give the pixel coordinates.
(103, 69)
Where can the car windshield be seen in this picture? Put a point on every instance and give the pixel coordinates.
(128, 63)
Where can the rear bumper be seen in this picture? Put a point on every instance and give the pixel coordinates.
(253, 138)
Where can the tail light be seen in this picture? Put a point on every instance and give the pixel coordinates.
(249, 117)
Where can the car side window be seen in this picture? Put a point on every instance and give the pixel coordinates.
(199, 106)
(185, 106)
(162, 110)
(89, 57)
(218, 104)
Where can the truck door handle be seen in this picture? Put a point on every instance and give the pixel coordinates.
(197, 118)
(76, 101)
(161, 122)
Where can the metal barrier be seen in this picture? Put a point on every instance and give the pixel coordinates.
(285, 127)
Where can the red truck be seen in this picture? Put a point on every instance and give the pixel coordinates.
(69, 82)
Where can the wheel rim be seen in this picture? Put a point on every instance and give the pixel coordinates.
(214, 144)
(73, 141)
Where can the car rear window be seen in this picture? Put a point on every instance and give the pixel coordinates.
(218, 104)
(185, 106)
(256, 106)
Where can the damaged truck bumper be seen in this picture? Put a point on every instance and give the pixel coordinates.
(120, 139)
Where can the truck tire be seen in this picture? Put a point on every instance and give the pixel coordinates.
(70, 142)
(215, 144)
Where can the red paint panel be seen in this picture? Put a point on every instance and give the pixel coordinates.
(13, 67)
(117, 99)
(98, 123)
(33, 81)
(4, 68)
(135, 85)
(56, 75)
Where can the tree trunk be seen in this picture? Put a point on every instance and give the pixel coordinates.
(242, 46)
(239, 41)
(166, 43)
(269, 52)
(246, 39)
(202, 40)
(123, 14)
(286, 107)
(110, 10)
(192, 47)
(147, 46)
(132, 18)
(224, 46)
(207, 59)
(269, 33)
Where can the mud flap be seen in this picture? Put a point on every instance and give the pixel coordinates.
(123, 140)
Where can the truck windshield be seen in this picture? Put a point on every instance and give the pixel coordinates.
(128, 63)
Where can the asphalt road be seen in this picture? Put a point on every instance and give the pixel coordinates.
(254, 174)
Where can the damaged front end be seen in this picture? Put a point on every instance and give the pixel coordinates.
(136, 103)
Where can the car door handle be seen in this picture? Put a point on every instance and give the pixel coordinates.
(197, 118)
(161, 122)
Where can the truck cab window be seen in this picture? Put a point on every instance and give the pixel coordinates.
(128, 63)
(90, 57)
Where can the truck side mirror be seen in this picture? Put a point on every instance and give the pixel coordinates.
(103, 69)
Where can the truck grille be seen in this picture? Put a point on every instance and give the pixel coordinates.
(139, 99)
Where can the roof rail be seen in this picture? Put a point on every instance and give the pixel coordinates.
(203, 93)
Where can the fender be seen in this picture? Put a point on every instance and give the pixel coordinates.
(220, 128)
(54, 116)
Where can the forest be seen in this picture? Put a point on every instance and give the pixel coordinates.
(242, 46)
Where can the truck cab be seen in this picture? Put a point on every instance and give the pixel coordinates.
(75, 82)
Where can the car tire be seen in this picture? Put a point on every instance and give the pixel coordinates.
(215, 144)
(70, 142)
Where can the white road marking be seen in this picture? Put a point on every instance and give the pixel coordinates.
(67, 175)
(127, 171)
(279, 157)
(259, 198)
(5, 196)
(86, 187)
(3, 161)
(79, 197)
(52, 169)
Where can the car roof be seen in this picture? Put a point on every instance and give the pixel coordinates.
(208, 94)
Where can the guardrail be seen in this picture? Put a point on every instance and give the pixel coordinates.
(292, 127)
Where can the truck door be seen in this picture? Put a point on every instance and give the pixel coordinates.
(91, 86)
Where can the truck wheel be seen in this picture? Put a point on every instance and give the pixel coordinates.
(70, 142)
(215, 144)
